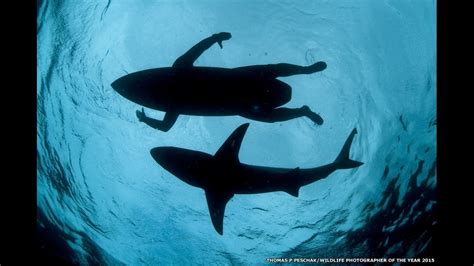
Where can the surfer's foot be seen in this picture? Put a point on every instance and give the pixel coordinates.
(316, 67)
(312, 115)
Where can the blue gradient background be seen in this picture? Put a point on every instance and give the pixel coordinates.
(110, 203)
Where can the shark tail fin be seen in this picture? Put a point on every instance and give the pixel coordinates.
(342, 161)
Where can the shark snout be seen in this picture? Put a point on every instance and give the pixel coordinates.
(159, 154)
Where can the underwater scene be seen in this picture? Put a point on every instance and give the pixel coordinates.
(236, 132)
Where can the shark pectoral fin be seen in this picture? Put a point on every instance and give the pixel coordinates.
(216, 202)
(229, 151)
(293, 188)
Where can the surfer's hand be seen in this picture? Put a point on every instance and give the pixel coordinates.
(141, 115)
(222, 37)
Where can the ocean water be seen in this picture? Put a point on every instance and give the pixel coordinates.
(102, 199)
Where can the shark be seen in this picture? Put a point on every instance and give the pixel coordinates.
(222, 175)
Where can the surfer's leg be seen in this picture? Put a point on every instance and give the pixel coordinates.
(283, 114)
(316, 118)
(163, 125)
(282, 69)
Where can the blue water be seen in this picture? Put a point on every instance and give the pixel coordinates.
(103, 194)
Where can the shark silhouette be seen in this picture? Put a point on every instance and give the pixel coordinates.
(253, 92)
(223, 175)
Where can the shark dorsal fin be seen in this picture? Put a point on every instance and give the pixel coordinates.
(229, 151)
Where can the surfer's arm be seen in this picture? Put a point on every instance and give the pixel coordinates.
(163, 125)
(192, 54)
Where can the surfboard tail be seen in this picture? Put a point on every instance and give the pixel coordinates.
(343, 161)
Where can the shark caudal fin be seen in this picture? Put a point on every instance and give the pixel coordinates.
(342, 161)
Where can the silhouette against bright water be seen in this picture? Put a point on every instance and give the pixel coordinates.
(253, 92)
(222, 175)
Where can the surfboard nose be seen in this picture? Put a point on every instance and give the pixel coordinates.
(118, 86)
(136, 88)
